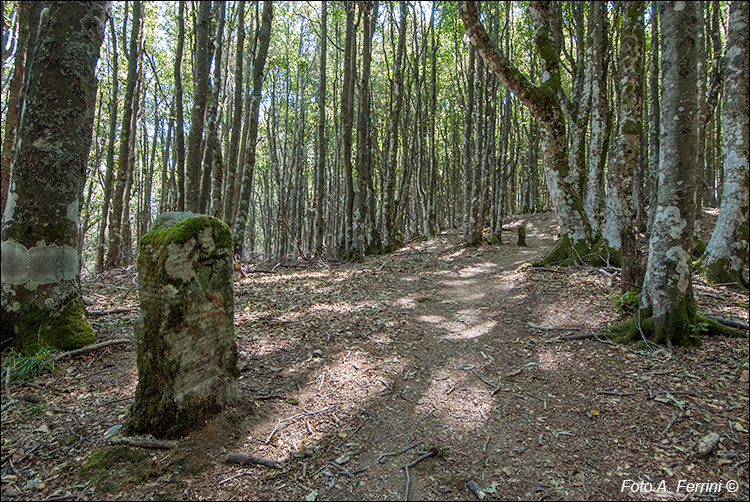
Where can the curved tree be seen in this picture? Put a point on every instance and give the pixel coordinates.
(41, 296)
(543, 101)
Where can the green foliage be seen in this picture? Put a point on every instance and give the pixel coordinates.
(625, 302)
(23, 367)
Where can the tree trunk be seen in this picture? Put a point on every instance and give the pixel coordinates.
(620, 231)
(41, 296)
(213, 172)
(115, 242)
(234, 141)
(200, 97)
(654, 119)
(389, 206)
(15, 88)
(179, 113)
(320, 195)
(264, 37)
(667, 291)
(109, 175)
(543, 102)
(726, 257)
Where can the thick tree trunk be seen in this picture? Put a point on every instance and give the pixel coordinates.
(667, 291)
(726, 257)
(41, 298)
(543, 102)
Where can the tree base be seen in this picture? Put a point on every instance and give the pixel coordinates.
(720, 272)
(566, 254)
(69, 330)
(627, 332)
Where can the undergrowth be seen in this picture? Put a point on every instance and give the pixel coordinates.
(18, 366)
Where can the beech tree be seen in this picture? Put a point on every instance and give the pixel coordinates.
(726, 257)
(41, 297)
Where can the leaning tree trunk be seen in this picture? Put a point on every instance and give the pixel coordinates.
(727, 251)
(41, 297)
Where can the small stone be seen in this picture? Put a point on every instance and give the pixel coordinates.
(317, 353)
(745, 376)
(112, 431)
(707, 444)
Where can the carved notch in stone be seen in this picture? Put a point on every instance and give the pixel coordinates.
(184, 337)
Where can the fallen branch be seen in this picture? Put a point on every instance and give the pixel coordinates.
(156, 444)
(728, 322)
(615, 393)
(672, 421)
(412, 464)
(91, 347)
(475, 489)
(244, 459)
(118, 310)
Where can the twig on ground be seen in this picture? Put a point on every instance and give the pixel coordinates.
(157, 444)
(245, 459)
(615, 393)
(381, 459)
(728, 322)
(428, 454)
(475, 489)
(118, 310)
(492, 386)
(672, 421)
(304, 413)
(91, 347)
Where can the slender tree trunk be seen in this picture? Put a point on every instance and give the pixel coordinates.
(179, 113)
(213, 171)
(200, 97)
(389, 206)
(109, 174)
(246, 191)
(620, 231)
(320, 195)
(347, 114)
(467, 161)
(15, 88)
(234, 141)
(115, 242)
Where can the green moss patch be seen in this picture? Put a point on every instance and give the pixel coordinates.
(68, 330)
(113, 467)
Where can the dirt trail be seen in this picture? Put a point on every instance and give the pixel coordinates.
(351, 372)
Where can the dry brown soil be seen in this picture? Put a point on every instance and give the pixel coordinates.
(351, 372)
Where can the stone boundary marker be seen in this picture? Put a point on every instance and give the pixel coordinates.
(184, 337)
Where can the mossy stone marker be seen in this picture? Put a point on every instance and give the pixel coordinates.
(184, 337)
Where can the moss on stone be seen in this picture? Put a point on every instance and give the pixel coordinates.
(68, 330)
(112, 467)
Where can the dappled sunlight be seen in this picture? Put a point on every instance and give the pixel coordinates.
(474, 331)
(554, 358)
(332, 391)
(460, 402)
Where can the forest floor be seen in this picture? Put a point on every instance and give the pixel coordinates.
(438, 357)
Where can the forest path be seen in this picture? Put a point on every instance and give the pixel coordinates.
(350, 372)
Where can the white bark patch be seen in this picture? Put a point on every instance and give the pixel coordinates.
(73, 212)
(10, 206)
(679, 6)
(39, 265)
(670, 215)
(678, 255)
